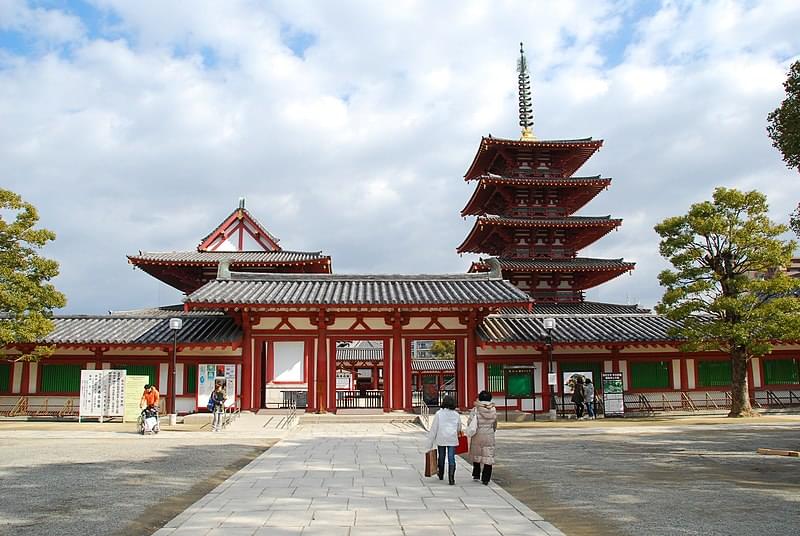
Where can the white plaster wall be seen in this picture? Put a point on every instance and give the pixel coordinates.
(690, 381)
(289, 361)
(343, 322)
(525, 350)
(16, 380)
(375, 323)
(481, 376)
(676, 374)
(89, 366)
(163, 378)
(106, 366)
(608, 366)
(186, 405)
(267, 323)
(451, 322)
(33, 371)
(755, 363)
(623, 368)
(179, 372)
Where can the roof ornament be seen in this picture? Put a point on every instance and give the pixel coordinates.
(224, 269)
(525, 104)
(241, 202)
(494, 268)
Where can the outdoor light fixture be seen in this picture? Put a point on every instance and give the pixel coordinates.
(550, 325)
(175, 324)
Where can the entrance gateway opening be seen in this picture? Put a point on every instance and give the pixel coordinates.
(359, 375)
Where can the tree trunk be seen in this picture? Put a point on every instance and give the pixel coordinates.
(740, 394)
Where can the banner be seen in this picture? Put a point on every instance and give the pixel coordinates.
(613, 395)
(102, 393)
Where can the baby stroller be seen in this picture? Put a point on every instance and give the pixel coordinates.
(148, 421)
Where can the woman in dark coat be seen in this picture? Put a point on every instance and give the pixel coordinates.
(481, 445)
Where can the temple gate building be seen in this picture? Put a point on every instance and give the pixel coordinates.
(290, 328)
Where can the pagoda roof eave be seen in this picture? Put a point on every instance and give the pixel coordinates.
(579, 264)
(487, 142)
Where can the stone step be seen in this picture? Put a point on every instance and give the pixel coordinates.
(344, 416)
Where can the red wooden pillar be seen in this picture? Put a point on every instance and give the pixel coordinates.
(460, 371)
(684, 373)
(311, 376)
(397, 365)
(408, 386)
(332, 377)
(387, 375)
(471, 362)
(322, 363)
(258, 374)
(247, 362)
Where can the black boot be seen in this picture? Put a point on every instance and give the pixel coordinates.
(440, 470)
(487, 474)
(451, 474)
(476, 471)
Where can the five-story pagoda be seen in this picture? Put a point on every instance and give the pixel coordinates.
(525, 199)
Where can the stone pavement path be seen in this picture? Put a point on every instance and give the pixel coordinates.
(353, 480)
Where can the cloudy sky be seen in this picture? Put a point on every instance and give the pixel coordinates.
(348, 125)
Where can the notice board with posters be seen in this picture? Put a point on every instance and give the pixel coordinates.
(613, 394)
(519, 381)
(208, 376)
(102, 394)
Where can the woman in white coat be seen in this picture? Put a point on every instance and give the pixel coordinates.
(444, 432)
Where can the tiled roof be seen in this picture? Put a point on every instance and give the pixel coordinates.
(582, 308)
(577, 328)
(432, 364)
(209, 329)
(571, 221)
(359, 354)
(562, 265)
(491, 178)
(165, 311)
(237, 258)
(359, 290)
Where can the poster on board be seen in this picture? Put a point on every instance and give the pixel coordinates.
(134, 387)
(613, 394)
(208, 376)
(571, 378)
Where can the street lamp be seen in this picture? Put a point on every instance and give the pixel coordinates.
(175, 324)
(550, 325)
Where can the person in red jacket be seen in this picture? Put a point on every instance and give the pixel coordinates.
(149, 397)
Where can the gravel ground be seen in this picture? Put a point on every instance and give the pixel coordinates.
(86, 483)
(655, 480)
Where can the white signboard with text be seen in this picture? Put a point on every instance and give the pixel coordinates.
(102, 393)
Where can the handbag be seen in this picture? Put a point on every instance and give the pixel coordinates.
(463, 445)
(431, 465)
(210, 404)
(472, 424)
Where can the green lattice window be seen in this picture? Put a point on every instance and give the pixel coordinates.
(713, 373)
(650, 375)
(151, 371)
(781, 371)
(60, 378)
(495, 378)
(191, 379)
(5, 377)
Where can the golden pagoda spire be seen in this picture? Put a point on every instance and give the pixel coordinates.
(525, 106)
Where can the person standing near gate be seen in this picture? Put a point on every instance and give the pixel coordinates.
(481, 445)
(578, 397)
(588, 395)
(444, 432)
(218, 398)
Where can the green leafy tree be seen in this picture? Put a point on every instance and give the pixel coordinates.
(27, 299)
(728, 289)
(784, 121)
(443, 349)
(794, 221)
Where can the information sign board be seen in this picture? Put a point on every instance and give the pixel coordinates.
(613, 394)
(208, 376)
(102, 393)
(134, 387)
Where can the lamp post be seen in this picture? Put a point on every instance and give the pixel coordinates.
(175, 324)
(550, 325)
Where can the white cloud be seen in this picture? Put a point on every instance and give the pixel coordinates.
(357, 146)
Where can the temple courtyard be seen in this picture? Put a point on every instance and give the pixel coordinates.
(678, 476)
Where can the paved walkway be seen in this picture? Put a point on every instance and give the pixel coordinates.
(353, 480)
